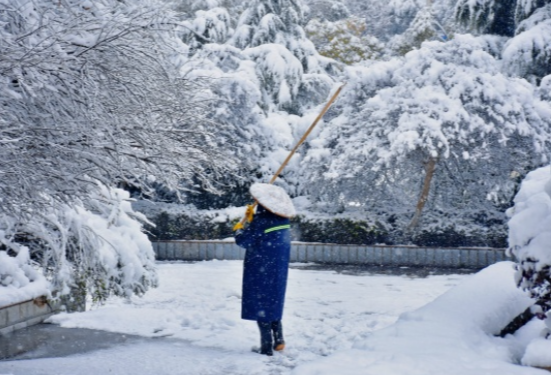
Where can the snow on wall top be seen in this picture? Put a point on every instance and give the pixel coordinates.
(19, 281)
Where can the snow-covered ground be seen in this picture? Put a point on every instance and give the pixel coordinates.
(334, 324)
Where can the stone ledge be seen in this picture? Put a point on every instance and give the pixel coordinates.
(24, 314)
(303, 252)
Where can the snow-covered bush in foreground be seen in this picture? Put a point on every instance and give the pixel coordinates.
(530, 242)
(95, 247)
(530, 236)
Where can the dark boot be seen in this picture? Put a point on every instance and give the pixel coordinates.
(277, 329)
(266, 340)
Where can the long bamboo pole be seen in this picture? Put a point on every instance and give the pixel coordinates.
(301, 141)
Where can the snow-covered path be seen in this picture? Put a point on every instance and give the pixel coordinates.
(197, 307)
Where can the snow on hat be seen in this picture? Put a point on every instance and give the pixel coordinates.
(274, 199)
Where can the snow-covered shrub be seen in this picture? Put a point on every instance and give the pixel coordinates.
(327, 10)
(95, 245)
(530, 236)
(423, 27)
(186, 222)
(208, 26)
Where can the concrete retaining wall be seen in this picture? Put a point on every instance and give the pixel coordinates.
(475, 258)
(24, 314)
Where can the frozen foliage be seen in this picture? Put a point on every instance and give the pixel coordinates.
(114, 107)
(20, 280)
(92, 96)
(270, 21)
(384, 18)
(95, 245)
(525, 8)
(208, 26)
(327, 10)
(529, 236)
(528, 54)
(423, 27)
(344, 40)
(265, 75)
(486, 16)
(443, 127)
(279, 71)
(279, 22)
(447, 102)
(527, 21)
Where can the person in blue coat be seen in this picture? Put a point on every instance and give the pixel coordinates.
(267, 241)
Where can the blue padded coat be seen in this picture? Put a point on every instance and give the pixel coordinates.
(267, 241)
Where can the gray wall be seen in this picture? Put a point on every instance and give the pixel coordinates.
(24, 314)
(339, 254)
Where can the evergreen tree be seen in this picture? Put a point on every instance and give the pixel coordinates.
(528, 53)
(279, 22)
(487, 16)
(424, 27)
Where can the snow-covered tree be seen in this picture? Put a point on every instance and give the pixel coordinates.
(327, 10)
(487, 16)
(91, 93)
(208, 26)
(528, 53)
(526, 8)
(442, 127)
(279, 22)
(423, 27)
(526, 21)
(267, 70)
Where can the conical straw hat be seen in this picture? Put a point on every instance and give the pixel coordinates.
(274, 199)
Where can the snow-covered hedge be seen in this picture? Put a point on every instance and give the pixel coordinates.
(530, 242)
(186, 222)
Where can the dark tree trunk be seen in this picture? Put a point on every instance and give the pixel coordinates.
(430, 167)
(518, 322)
